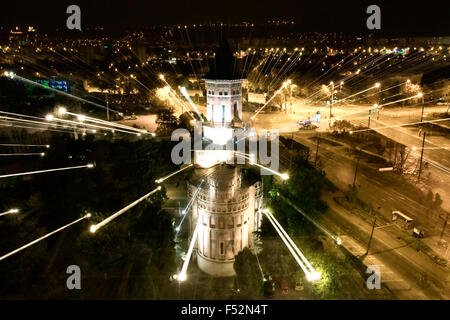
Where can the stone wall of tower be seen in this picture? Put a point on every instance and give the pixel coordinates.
(227, 218)
(223, 101)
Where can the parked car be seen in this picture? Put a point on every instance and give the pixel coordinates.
(299, 286)
(284, 288)
(269, 288)
(132, 117)
(418, 233)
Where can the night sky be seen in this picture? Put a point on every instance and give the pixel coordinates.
(398, 17)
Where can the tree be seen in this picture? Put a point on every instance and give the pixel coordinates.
(304, 187)
(437, 202)
(167, 122)
(248, 275)
(131, 257)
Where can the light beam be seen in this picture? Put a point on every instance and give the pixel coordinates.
(182, 274)
(97, 226)
(43, 237)
(48, 170)
(172, 174)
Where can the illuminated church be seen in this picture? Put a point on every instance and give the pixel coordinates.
(228, 206)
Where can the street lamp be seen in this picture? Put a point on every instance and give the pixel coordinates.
(62, 110)
(421, 154)
(420, 95)
(371, 233)
(332, 99)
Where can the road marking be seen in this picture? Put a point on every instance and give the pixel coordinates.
(386, 225)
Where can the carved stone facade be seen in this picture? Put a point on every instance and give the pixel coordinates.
(228, 210)
(224, 101)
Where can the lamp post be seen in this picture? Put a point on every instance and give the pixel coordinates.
(356, 171)
(421, 154)
(107, 107)
(423, 106)
(371, 233)
(332, 99)
(443, 228)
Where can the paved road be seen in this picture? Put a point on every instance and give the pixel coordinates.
(402, 267)
(385, 190)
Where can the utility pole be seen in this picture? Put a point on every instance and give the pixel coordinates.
(356, 170)
(332, 98)
(371, 233)
(285, 103)
(423, 106)
(290, 98)
(317, 151)
(421, 154)
(447, 256)
(444, 226)
(107, 107)
(292, 146)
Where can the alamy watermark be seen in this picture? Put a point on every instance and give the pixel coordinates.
(74, 280)
(374, 20)
(74, 20)
(374, 280)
